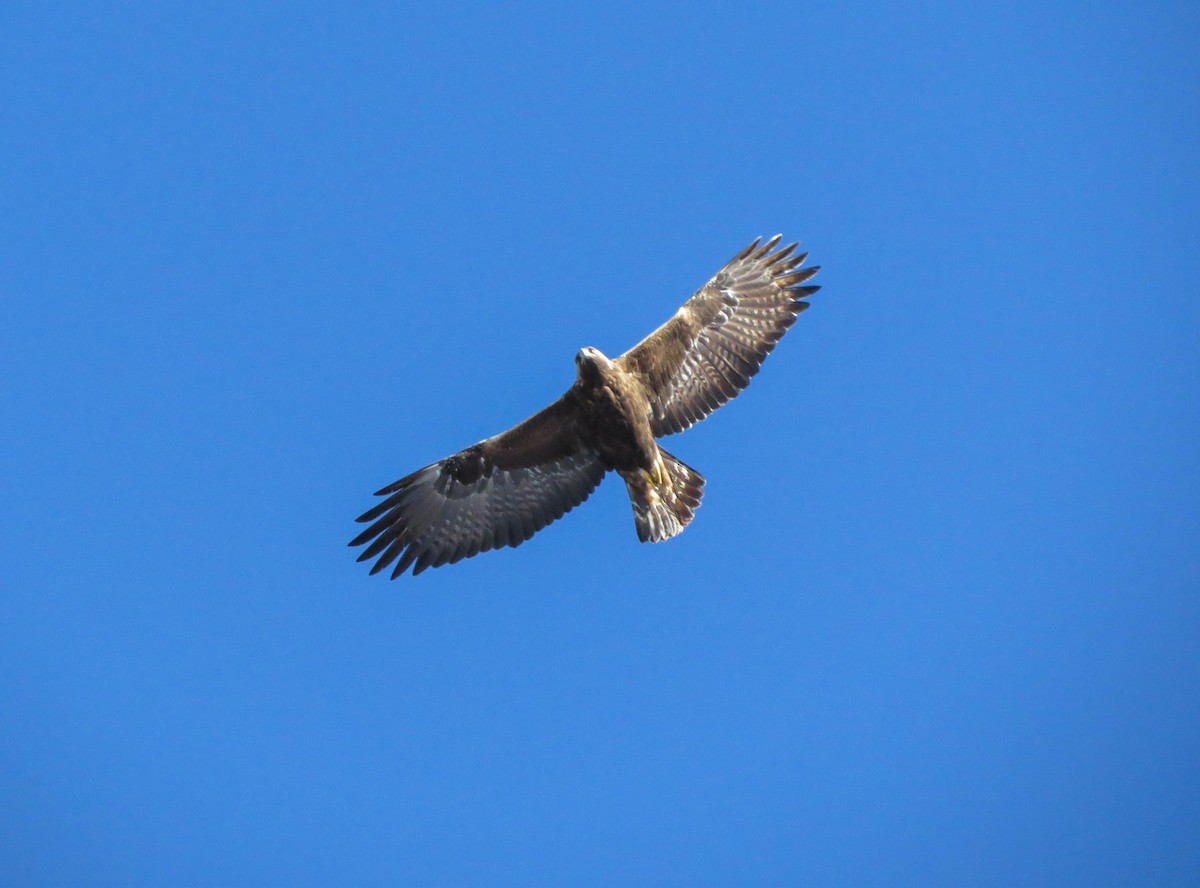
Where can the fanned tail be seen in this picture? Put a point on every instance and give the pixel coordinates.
(664, 507)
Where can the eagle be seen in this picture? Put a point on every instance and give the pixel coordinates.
(504, 489)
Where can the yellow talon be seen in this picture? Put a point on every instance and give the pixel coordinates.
(657, 475)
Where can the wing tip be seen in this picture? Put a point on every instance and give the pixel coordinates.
(767, 247)
(792, 280)
(746, 250)
(782, 255)
(770, 254)
(801, 294)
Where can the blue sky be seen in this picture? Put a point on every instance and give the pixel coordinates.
(936, 622)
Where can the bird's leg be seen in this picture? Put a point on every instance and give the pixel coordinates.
(658, 472)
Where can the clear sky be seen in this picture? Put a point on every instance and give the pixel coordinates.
(937, 622)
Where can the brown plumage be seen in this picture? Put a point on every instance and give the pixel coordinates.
(503, 490)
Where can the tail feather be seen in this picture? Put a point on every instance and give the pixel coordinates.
(662, 510)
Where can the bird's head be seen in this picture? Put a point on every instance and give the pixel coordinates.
(589, 361)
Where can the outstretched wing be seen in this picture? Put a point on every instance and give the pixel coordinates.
(708, 351)
(499, 492)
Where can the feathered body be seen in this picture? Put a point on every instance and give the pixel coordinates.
(504, 489)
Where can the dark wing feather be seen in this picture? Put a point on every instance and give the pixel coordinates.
(714, 344)
(499, 492)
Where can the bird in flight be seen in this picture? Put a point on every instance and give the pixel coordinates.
(503, 490)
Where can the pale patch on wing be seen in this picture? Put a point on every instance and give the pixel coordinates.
(718, 339)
